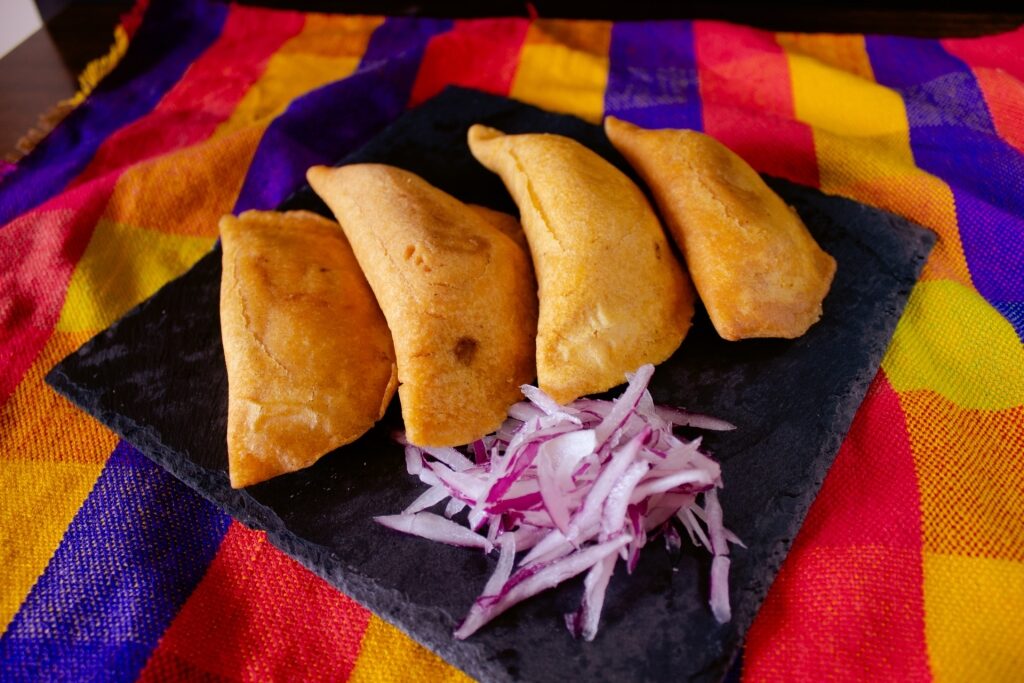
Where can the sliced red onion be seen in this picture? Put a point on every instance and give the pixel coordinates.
(477, 519)
(524, 411)
(493, 528)
(615, 467)
(624, 404)
(565, 453)
(657, 516)
(506, 561)
(462, 484)
(554, 502)
(670, 482)
(547, 404)
(553, 545)
(584, 621)
(713, 518)
(720, 589)
(429, 478)
(479, 452)
(697, 535)
(435, 528)
(451, 457)
(614, 516)
(540, 579)
(573, 488)
(684, 418)
(413, 460)
(427, 499)
(734, 539)
(454, 507)
(527, 536)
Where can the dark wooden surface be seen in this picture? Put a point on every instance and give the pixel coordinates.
(44, 69)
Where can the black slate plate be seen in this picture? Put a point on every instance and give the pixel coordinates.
(157, 377)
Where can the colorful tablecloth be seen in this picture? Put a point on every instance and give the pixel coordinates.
(911, 563)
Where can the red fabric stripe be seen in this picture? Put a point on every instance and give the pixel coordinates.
(259, 615)
(748, 100)
(207, 93)
(998, 66)
(852, 582)
(40, 250)
(132, 19)
(476, 53)
(1004, 51)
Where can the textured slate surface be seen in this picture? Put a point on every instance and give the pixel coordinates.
(157, 377)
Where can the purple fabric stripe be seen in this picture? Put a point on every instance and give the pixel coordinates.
(952, 136)
(993, 241)
(652, 77)
(326, 124)
(172, 35)
(1014, 312)
(128, 561)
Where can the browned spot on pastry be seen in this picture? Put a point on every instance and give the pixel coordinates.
(465, 349)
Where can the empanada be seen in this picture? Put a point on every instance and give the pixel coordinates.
(612, 294)
(309, 356)
(457, 292)
(756, 267)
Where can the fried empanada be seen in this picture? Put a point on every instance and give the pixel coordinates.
(612, 294)
(309, 356)
(507, 224)
(457, 292)
(756, 267)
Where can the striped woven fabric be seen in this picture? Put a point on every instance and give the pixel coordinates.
(911, 563)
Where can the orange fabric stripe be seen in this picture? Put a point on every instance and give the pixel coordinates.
(186, 191)
(961, 453)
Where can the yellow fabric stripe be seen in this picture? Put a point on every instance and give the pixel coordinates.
(563, 67)
(122, 266)
(387, 655)
(948, 332)
(973, 618)
(833, 89)
(50, 456)
(38, 503)
(862, 141)
(327, 49)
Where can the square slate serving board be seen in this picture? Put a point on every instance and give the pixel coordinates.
(157, 378)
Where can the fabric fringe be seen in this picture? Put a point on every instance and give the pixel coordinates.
(94, 72)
